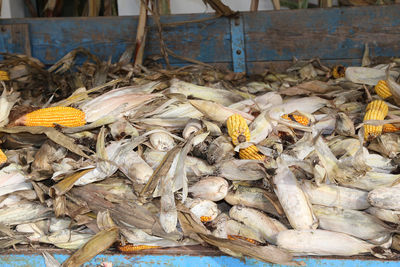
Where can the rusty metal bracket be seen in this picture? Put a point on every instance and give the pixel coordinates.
(237, 43)
(14, 38)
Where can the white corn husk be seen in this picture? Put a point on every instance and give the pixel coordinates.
(220, 96)
(321, 243)
(202, 207)
(194, 166)
(7, 101)
(293, 200)
(213, 188)
(252, 197)
(162, 141)
(352, 222)
(193, 126)
(247, 170)
(373, 180)
(261, 127)
(363, 75)
(267, 227)
(385, 197)
(217, 112)
(335, 196)
(133, 166)
(122, 128)
(392, 216)
(23, 212)
(104, 168)
(13, 179)
(66, 239)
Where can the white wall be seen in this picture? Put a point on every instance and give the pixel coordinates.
(12, 9)
(131, 7)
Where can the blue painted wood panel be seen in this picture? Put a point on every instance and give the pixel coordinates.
(269, 36)
(36, 260)
(334, 33)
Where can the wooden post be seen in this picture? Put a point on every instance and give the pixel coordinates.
(277, 4)
(164, 7)
(141, 33)
(254, 5)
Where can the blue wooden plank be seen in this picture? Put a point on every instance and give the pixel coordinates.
(33, 260)
(334, 33)
(15, 39)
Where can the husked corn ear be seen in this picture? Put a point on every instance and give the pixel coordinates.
(238, 129)
(389, 128)
(338, 71)
(382, 89)
(372, 131)
(205, 218)
(48, 117)
(296, 118)
(4, 76)
(236, 237)
(380, 106)
(3, 157)
(131, 247)
(250, 152)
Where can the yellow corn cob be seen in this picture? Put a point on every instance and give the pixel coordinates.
(389, 128)
(132, 248)
(4, 76)
(380, 106)
(338, 71)
(382, 89)
(48, 117)
(236, 237)
(372, 131)
(3, 157)
(250, 152)
(238, 129)
(296, 118)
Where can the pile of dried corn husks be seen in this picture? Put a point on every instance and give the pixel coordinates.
(298, 163)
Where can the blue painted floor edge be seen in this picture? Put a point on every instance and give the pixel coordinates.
(33, 260)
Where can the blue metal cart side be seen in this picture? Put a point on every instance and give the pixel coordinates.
(251, 42)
